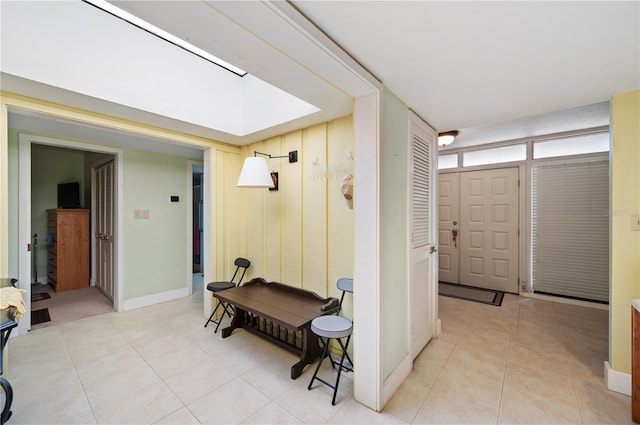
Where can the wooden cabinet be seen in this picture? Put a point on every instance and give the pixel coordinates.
(68, 253)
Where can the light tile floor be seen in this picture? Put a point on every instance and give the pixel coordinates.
(528, 361)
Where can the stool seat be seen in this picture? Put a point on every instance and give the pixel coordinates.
(336, 328)
(332, 326)
(220, 286)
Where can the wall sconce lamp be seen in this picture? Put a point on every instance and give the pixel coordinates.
(255, 171)
(446, 138)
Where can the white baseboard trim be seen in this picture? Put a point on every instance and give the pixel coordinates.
(563, 300)
(152, 299)
(397, 377)
(619, 382)
(438, 328)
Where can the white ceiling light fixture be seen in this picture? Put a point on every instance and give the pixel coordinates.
(255, 171)
(142, 24)
(446, 138)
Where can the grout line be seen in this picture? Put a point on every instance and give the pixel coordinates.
(435, 380)
(506, 367)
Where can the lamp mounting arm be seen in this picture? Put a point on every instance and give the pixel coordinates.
(293, 155)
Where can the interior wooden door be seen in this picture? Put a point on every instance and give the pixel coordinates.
(423, 274)
(488, 237)
(448, 218)
(104, 201)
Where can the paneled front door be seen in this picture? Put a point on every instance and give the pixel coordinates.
(486, 242)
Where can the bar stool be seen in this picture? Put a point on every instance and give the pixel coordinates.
(332, 327)
(345, 285)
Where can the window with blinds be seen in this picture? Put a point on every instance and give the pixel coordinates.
(570, 230)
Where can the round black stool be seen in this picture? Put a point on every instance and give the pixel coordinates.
(332, 327)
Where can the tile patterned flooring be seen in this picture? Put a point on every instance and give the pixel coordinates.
(528, 361)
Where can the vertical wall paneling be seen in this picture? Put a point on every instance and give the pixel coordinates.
(4, 192)
(303, 233)
(273, 221)
(340, 154)
(256, 219)
(314, 211)
(231, 228)
(291, 187)
(241, 211)
(221, 267)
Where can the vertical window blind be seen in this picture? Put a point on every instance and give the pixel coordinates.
(570, 230)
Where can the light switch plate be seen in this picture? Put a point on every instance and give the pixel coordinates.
(141, 214)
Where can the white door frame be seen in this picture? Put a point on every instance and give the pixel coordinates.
(24, 216)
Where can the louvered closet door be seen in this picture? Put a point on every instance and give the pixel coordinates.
(422, 221)
(104, 228)
(488, 237)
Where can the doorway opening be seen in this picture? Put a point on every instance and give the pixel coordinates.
(197, 225)
(62, 268)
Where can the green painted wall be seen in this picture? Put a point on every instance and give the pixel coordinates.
(155, 249)
(395, 282)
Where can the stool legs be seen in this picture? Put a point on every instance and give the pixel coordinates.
(225, 310)
(341, 366)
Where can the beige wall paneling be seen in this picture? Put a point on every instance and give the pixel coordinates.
(314, 211)
(242, 212)
(255, 210)
(340, 218)
(273, 215)
(625, 243)
(231, 228)
(4, 192)
(221, 268)
(291, 189)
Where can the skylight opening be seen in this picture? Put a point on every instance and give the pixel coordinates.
(152, 29)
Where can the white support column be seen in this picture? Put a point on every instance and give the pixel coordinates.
(367, 333)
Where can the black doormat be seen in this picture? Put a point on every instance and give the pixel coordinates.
(40, 316)
(471, 293)
(39, 297)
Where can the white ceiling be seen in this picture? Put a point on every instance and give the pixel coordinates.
(475, 65)
(493, 70)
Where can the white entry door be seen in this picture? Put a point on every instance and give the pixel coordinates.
(488, 236)
(104, 225)
(448, 220)
(423, 272)
(478, 228)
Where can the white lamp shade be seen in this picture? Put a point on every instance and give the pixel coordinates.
(255, 173)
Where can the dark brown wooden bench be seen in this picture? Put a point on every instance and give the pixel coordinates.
(281, 314)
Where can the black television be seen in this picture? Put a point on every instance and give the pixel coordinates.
(69, 195)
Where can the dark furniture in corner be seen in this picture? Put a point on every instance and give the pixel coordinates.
(280, 313)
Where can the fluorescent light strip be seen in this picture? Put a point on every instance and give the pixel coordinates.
(142, 24)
